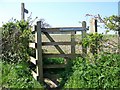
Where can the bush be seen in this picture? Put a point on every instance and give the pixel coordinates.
(18, 76)
(16, 36)
(15, 41)
(104, 73)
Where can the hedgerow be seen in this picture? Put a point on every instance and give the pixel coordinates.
(103, 73)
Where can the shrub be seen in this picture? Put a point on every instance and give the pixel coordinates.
(104, 73)
(15, 41)
(18, 76)
(93, 41)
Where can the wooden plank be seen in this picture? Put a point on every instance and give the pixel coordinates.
(35, 75)
(33, 60)
(60, 55)
(59, 43)
(63, 29)
(56, 43)
(52, 40)
(33, 45)
(55, 66)
(39, 52)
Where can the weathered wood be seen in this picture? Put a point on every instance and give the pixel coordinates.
(33, 60)
(63, 29)
(52, 40)
(60, 55)
(93, 25)
(96, 25)
(55, 66)
(73, 44)
(84, 49)
(33, 45)
(93, 30)
(119, 41)
(38, 45)
(22, 11)
(59, 43)
(56, 43)
(35, 75)
(39, 52)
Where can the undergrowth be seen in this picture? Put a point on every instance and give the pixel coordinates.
(17, 76)
(103, 73)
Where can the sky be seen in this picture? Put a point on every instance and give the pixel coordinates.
(58, 12)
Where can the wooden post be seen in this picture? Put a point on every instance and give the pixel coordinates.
(119, 29)
(96, 49)
(84, 50)
(93, 25)
(22, 11)
(119, 41)
(73, 44)
(39, 53)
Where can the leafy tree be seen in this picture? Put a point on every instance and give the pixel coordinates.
(113, 23)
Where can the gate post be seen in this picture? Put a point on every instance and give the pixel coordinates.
(39, 53)
(73, 44)
(84, 49)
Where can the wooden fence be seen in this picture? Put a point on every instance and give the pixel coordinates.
(38, 61)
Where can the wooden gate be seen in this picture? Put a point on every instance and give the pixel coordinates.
(38, 61)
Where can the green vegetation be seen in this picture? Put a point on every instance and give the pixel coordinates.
(98, 69)
(16, 73)
(103, 73)
(113, 23)
(15, 40)
(53, 61)
(17, 76)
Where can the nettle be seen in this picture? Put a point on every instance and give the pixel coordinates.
(15, 40)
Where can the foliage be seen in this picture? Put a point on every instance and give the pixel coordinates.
(16, 36)
(93, 41)
(17, 76)
(15, 40)
(112, 22)
(53, 61)
(104, 73)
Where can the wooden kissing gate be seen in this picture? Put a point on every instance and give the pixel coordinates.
(38, 61)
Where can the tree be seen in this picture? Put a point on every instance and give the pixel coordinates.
(44, 24)
(113, 23)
